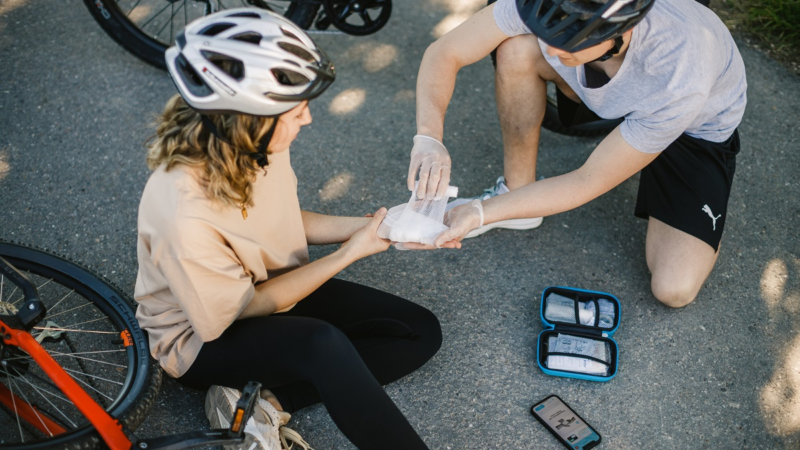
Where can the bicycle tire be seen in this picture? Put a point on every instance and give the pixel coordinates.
(551, 120)
(142, 375)
(129, 34)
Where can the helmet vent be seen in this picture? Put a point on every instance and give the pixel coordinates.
(251, 37)
(231, 66)
(191, 80)
(216, 29)
(245, 14)
(289, 34)
(586, 10)
(289, 77)
(297, 51)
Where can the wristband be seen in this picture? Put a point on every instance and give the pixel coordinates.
(477, 204)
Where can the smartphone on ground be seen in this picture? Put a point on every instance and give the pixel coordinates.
(565, 424)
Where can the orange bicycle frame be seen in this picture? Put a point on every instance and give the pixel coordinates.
(108, 427)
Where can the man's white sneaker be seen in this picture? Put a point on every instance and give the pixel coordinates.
(499, 188)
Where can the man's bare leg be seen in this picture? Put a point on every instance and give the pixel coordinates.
(679, 263)
(521, 93)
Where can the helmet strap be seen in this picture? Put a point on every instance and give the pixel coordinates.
(260, 155)
(213, 129)
(618, 43)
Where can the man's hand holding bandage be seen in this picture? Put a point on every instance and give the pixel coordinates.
(429, 157)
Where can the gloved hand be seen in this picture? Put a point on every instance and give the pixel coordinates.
(429, 157)
(461, 220)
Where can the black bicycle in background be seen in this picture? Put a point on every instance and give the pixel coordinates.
(147, 27)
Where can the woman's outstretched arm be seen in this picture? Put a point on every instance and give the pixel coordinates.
(322, 229)
(285, 290)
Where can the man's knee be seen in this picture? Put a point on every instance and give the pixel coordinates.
(519, 56)
(672, 292)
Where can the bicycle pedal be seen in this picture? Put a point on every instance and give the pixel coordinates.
(244, 407)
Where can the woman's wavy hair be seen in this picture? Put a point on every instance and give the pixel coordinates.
(228, 170)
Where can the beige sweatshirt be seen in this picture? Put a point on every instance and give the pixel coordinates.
(199, 261)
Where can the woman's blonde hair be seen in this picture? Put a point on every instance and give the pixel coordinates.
(228, 172)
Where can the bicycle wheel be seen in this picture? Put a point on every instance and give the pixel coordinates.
(147, 27)
(91, 331)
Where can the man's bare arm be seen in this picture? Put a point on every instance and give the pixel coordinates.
(611, 163)
(466, 44)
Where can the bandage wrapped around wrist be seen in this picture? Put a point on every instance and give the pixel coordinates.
(418, 221)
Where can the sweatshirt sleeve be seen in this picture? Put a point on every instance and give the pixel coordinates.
(205, 276)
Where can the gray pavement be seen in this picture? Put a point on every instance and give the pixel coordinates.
(724, 372)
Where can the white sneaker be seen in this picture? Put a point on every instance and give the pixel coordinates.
(511, 224)
(262, 430)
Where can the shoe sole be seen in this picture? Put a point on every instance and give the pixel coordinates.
(510, 224)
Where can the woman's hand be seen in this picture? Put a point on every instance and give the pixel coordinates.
(365, 241)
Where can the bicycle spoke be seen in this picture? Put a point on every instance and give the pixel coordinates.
(94, 377)
(47, 382)
(85, 331)
(169, 22)
(132, 8)
(34, 409)
(14, 302)
(67, 355)
(37, 288)
(50, 316)
(59, 302)
(52, 394)
(39, 391)
(55, 354)
(95, 352)
(89, 386)
(14, 403)
(12, 292)
(366, 18)
(345, 12)
(151, 19)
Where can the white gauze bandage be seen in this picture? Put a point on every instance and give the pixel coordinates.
(418, 221)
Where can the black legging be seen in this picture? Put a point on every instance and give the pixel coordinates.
(338, 346)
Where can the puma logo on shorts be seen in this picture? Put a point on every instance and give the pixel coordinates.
(707, 210)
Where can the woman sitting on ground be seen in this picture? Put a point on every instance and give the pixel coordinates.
(225, 288)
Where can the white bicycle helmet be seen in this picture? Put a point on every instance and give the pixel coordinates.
(247, 61)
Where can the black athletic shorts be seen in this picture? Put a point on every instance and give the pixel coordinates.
(687, 186)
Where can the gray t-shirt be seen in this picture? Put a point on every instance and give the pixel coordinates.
(682, 73)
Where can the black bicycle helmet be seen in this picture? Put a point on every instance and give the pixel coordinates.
(574, 25)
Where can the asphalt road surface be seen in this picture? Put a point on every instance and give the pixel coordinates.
(723, 372)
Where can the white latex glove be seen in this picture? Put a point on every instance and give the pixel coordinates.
(461, 220)
(429, 157)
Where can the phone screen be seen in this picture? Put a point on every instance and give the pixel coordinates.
(565, 423)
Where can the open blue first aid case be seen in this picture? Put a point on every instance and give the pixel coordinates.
(577, 340)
